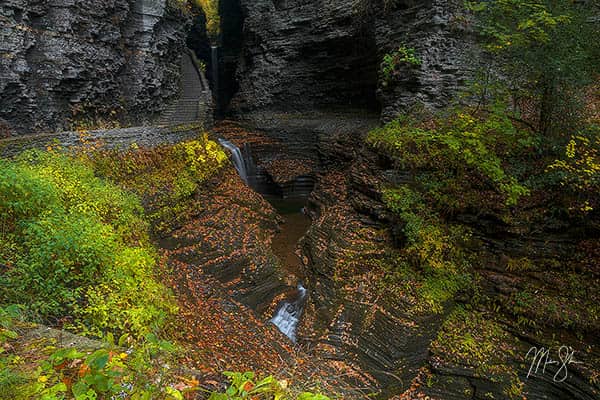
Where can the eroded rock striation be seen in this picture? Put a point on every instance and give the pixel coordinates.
(65, 63)
(303, 54)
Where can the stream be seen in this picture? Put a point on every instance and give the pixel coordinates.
(291, 207)
(289, 311)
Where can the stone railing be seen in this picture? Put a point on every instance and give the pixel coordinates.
(143, 136)
(196, 62)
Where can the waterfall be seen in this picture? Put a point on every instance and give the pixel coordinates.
(236, 156)
(288, 315)
(214, 60)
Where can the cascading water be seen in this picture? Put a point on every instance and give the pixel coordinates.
(289, 311)
(288, 315)
(238, 160)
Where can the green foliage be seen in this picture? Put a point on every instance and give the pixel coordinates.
(391, 66)
(545, 53)
(459, 161)
(108, 372)
(474, 340)
(455, 157)
(78, 247)
(7, 315)
(432, 250)
(213, 19)
(580, 168)
(165, 178)
(244, 386)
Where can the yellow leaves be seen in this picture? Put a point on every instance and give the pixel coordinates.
(202, 156)
(570, 150)
(581, 167)
(586, 207)
(211, 10)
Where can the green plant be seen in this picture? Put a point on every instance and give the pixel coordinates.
(455, 157)
(105, 373)
(433, 250)
(213, 19)
(580, 168)
(394, 61)
(244, 386)
(79, 247)
(545, 54)
(472, 339)
(7, 315)
(165, 178)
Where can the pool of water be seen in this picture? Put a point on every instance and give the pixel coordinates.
(285, 242)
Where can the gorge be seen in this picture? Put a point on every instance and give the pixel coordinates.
(296, 233)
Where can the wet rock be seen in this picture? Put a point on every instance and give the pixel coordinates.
(306, 55)
(73, 62)
(228, 284)
(374, 332)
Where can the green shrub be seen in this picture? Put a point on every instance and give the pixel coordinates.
(70, 373)
(165, 178)
(433, 250)
(579, 168)
(460, 161)
(78, 247)
(459, 155)
(394, 61)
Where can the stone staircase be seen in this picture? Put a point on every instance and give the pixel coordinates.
(195, 100)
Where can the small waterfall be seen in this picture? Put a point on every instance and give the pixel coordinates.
(236, 156)
(214, 60)
(288, 315)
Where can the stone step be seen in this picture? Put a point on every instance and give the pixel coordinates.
(194, 101)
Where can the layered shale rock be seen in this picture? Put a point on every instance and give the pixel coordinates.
(303, 54)
(227, 281)
(532, 287)
(67, 63)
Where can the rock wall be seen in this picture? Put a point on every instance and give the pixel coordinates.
(302, 54)
(440, 33)
(123, 139)
(69, 62)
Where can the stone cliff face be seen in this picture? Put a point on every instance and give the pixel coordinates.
(302, 54)
(69, 62)
(64, 62)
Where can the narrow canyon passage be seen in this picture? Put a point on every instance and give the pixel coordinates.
(285, 247)
(238, 272)
(285, 171)
(289, 201)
